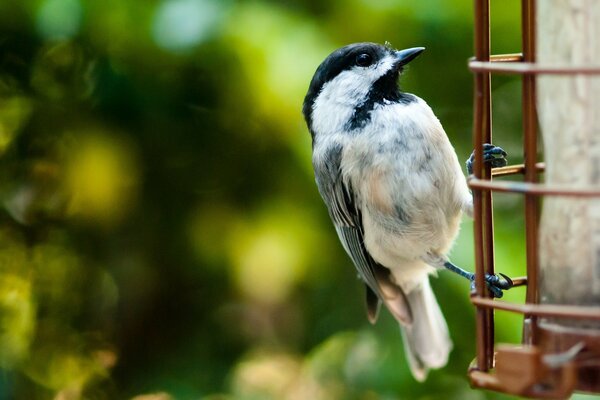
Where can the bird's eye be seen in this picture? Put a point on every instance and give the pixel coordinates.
(364, 60)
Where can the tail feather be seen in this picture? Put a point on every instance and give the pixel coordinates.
(427, 342)
(373, 305)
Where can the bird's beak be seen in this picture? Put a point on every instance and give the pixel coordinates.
(405, 56)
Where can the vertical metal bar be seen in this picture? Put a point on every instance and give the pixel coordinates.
(482, 200)
(487, 212)
(530, 154)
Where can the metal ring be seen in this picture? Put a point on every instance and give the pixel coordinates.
(536, 189)
(528, 68)
(541, 310)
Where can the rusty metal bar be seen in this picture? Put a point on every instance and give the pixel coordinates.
(514, 57)
(519, 281)
(533, 189)
(541, 310)
(516, 169)
(482, 131)
(530, 68)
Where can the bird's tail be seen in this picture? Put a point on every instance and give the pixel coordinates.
(427, 342)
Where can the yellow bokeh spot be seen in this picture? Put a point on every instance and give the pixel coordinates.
(63, 368)
(18, 319)
(14, 111)
(102, 177)
(153, 396)
(272, 252)
(266, 375)
(279, 58)
(268, 265)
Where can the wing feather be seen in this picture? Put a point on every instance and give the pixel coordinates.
(346, 215)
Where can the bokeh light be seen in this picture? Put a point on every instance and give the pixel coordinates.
(59, 19)
(161, 234)
(101, 177)
(181, 24)
(14, 111)
(18, 319)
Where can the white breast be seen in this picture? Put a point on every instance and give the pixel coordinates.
(409, 183)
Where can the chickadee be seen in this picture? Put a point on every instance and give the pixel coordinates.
(394, 189)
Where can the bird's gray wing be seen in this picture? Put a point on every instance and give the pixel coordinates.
(347, 219)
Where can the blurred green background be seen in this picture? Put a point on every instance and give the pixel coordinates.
(161, 236)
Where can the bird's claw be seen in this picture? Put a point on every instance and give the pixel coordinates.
(495, 284)
(502, 281)
(492, 155)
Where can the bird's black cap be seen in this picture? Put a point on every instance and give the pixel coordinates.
(350, 56)
(340, 60)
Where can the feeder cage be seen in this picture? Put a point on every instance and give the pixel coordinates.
(560, 349)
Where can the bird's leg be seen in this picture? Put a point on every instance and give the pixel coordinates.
(492, 155)
(495, 283)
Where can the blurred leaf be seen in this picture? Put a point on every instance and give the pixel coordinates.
(181, 24)
(17, 322)
(101, 178)
(59, 18)
(14, 112)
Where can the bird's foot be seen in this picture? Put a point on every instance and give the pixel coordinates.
(492, 155)
(495, 284)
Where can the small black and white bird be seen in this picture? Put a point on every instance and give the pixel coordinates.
(394, 189)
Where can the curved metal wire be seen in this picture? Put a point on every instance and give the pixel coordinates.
(499, 65)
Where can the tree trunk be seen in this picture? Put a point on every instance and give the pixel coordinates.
(568, 33)
(569, 109)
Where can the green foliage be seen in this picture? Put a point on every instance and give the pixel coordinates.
(161, 232)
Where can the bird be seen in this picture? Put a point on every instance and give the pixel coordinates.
(394, 189)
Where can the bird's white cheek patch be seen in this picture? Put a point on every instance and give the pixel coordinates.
(335, 104)
(338, 99)
(381, 68)
(330, 117)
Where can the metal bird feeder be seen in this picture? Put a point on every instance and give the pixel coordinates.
(547, 364)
